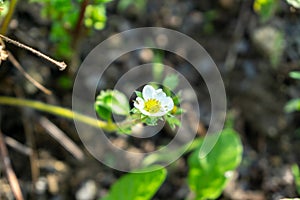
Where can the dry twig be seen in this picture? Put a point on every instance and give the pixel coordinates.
(61, 65)
(244, 15)
(11, 176)
(61, 137)
(21, 148)
(14, 61)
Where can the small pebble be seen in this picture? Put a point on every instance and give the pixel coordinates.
(87, 191)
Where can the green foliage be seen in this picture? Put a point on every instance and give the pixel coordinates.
(265, 8)
(65, 82)
(137, 186)
(4, 8)
(295, 75)
(172, 121)
(65, 15)
(208, 176)
(150, 121)
(157, 68)
(296, 174)
(177, 99)
(140, 5)
(278, 48)
(292, 105)
(270, 42)
(295, 3)
(209, 17)
(171, 81)
(139, 94)
(111, 101)
(95, 16)
(167, 158)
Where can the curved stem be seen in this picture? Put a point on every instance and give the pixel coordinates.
(8, 16)
(59, 111)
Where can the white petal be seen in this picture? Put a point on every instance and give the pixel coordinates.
(139, 103)
(158, 114)
(145, 112)
(158, 91)
(160, 95)
(148, 92)
(167, 103)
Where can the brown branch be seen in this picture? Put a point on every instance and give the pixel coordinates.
(77, 29)
(14, 61)
(76, 38)
(61, 65)
(243, 18)
(62, 138)
(21, 148)
(11, 176)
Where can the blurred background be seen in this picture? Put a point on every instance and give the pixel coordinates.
(255, 44)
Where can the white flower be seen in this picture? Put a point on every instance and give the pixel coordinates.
(154, 103)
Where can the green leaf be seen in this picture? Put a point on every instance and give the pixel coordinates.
(111, 101)
(177, 111)
(150, 121)
(120, 104)
(296, 174)
(138, 4)
(155, 158)
(295, 75)
(139, 94)
(177, 98)
(99, 25)
(103, 111)
(158, 67)
(5, 8)
(265, 8)
(208, 176)
(99, 13)
(88, 22)
(126, 130)
(295, 3)
(173, 121)
(102, 1)
(64, 15)
(137, 186)
(171, 81)
(278, 48)
(95, 16)
(65, 82)
(123, 4)
(292, 105)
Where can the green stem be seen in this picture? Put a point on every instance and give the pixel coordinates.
(8, 16)
(59, 111)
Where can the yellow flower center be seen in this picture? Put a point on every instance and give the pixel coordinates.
(152, 106)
